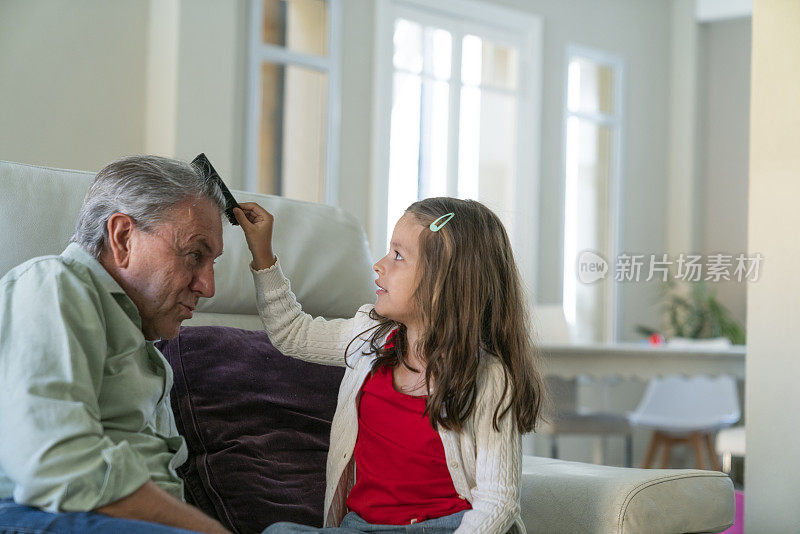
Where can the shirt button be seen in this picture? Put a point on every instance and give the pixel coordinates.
(454, 465)
(412, 521)
(461, 497)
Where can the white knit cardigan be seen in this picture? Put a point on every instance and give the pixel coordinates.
(485, 464)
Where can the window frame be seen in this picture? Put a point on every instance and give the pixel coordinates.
(617, 123)
(331, 64)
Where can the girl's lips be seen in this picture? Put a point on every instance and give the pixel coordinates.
(380, 290)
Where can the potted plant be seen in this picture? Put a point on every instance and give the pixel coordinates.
(693, 311)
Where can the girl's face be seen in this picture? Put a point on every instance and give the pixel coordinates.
(397, 272)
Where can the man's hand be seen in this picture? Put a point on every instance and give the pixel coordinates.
(151, 503)
(256, 222)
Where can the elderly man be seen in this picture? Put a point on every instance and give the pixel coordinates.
(88, 437)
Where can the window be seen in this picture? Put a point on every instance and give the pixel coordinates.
(592, 155)
(457, 113)
(293, 99)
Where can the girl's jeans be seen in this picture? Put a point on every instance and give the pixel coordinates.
(353, 524)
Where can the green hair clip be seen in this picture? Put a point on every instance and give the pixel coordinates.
(435, 226)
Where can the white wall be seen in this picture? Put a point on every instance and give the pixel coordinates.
(211, 98)
(72, 88)
(356, 119)
(85, 82)
(683, 205)
(724, 136)
(161, 99)
(709, 129)
(773, 363)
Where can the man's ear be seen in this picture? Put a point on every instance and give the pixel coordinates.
(120, 234)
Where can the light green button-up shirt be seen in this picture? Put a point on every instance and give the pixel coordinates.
(85, 417)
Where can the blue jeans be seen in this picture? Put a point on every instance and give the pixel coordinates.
(20, 519)
(353, 524)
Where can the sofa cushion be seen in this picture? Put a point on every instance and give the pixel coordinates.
(561, 496)
(257, 425)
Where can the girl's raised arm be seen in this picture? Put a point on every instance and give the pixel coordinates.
(256, 223)
(292, 331)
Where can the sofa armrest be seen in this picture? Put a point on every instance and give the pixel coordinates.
(565, 497)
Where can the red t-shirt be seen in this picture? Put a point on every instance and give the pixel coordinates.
(401, 470)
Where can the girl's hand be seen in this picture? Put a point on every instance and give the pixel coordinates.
(256, 222)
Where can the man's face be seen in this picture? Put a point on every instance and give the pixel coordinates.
(172, 266)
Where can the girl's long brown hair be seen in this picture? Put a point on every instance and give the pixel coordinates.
(470, 301)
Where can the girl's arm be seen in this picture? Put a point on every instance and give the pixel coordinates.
(498, 466)
(298, 334)
(292, 331)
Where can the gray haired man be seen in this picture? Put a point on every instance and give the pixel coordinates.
(89, 441)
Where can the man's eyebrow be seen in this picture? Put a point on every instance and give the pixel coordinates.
(204, 243)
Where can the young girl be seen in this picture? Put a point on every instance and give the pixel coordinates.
(440, 380)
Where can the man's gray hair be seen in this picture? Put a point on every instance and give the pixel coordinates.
(143, 187)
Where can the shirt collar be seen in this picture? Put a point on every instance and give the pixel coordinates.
(77, 253)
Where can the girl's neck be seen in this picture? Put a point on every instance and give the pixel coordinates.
(414, 359)
(404, 379)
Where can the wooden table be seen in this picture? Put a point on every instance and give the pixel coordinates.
(634, 360)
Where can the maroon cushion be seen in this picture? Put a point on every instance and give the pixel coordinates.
(257, 424)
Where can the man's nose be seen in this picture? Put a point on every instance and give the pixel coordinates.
(203, 282)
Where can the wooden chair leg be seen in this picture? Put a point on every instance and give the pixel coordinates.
(628, 450)
(599, 450)
(696, 440)
(666, 456)
(652, 448)
(712, 453)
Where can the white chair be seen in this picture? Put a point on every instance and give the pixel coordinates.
(686, 410)
(567, 417)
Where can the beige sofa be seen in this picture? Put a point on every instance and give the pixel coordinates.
(324, 252)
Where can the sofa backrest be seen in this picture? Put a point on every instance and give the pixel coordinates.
(323, 250)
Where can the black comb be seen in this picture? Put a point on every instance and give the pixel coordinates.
(206, 170)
